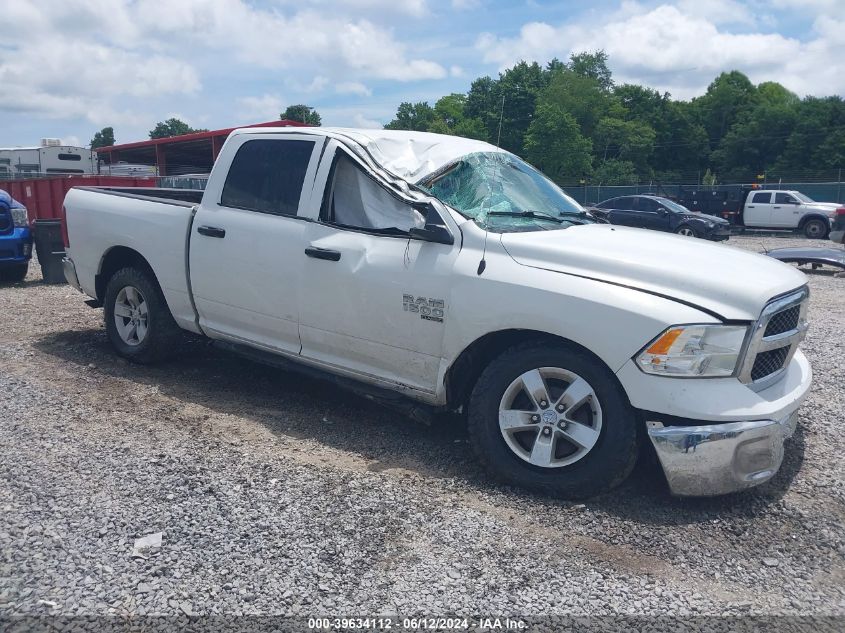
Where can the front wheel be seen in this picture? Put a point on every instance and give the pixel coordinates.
(138, 321)
(553, 419)
(815, 229)
(686, 230)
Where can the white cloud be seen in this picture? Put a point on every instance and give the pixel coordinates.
(361, 121)
(352, 88)
(456, 71)
(264, 108)
(463, 5)
(93, 59)
(71, 141)
(672, 50)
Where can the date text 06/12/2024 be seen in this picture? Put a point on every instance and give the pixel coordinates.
(416, 624)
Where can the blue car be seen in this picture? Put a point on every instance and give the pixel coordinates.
(15, 239)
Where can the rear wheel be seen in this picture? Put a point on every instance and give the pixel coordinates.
(15, 273)
(815, 229)
(553, 419)
(686, 230)
(138, 321)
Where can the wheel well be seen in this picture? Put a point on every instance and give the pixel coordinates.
(116, 258)
(467, 367)
(807, 218)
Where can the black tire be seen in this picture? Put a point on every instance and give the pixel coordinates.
(15, 273)
(162, 336)
(815, 229)
(605, 466)
(687, 230)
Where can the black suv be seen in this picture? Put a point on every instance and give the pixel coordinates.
(661, 214)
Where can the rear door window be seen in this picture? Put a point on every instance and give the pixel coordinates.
(267, 175)
(762, 198)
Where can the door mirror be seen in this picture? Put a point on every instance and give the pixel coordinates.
(662, 211)
(437, 233)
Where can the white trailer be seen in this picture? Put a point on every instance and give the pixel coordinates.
(48, 158)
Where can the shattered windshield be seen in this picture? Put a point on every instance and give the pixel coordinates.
(504, 193)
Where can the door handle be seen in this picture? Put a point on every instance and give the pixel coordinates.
(323, 253)
(750, 207)
(211, 231)
(776, 207)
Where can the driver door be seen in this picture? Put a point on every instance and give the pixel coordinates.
(374, 300)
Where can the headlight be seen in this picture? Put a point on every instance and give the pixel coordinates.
(694, 351)
(19, 216)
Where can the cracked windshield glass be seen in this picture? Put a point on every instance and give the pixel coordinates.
(505, 194)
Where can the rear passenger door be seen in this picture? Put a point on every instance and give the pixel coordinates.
(247, 239)
(622, 211)
(758, 209)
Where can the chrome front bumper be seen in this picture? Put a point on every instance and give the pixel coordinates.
(70, 273)
(716, 459)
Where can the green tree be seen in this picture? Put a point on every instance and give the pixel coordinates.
(412, 116)
(103, 138)
(172, 127)
(593, 66)
(302, 113)
(631, 141)
(727, 97)
(555, 145)
(616, 172)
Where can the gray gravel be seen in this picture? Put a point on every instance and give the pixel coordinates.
(277, 494)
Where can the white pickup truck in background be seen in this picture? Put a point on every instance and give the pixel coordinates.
(778, 209)
(447, 273)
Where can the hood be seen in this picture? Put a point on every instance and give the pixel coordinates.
(826, 207)
(732, 283)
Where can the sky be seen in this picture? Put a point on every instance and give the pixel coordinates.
(70, 67)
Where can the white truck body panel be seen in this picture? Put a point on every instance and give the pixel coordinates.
(609, 289)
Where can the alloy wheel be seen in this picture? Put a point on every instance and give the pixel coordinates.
(550, 417)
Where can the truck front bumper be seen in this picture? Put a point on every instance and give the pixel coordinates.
(715, 459)
(16, 247)
(716, 436)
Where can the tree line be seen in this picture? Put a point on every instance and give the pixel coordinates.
(571, 120)
(575, 123)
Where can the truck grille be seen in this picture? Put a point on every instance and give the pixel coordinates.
(769, 362)
(5, 221)
(776, 334)
(783, 321)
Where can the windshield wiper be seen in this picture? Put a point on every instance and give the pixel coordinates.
(537, 215)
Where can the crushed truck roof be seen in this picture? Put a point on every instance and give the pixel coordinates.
(408, 155)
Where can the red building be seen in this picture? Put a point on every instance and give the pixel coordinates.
(175, 155)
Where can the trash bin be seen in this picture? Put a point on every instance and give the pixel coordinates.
(50, 248)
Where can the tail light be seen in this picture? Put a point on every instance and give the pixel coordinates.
(840, 211)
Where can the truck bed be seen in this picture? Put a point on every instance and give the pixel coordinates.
(180, 197)
(153, 222)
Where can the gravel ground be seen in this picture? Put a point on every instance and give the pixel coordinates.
(278, 494)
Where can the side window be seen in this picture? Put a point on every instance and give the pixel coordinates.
(625, 203)
(267, 176)
(762, 198)
(784, 198)
(607, 204)
(647, 204)
(357, 201)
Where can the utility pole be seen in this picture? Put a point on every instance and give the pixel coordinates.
(839, 186)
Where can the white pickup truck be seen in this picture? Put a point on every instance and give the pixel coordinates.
(450, 274)
(779, 209)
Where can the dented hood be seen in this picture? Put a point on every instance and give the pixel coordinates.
(729, 282)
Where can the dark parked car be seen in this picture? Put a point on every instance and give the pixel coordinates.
(661, 214)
